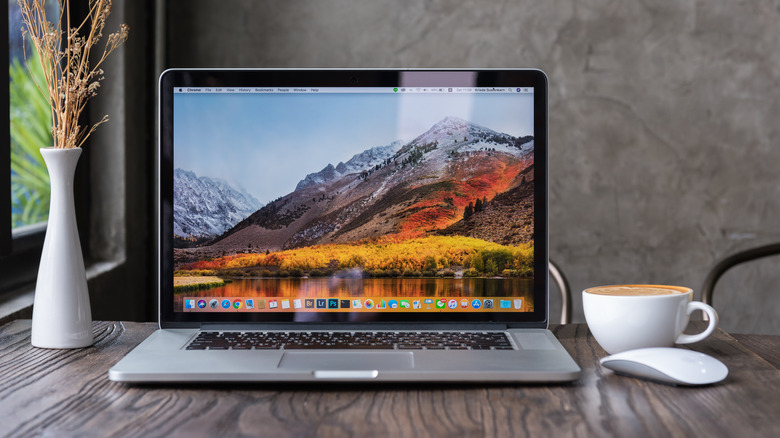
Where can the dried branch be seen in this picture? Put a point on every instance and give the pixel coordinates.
(70, 80)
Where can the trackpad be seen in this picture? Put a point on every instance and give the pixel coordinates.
(326, 360)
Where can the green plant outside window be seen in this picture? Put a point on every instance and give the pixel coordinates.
(30, 123)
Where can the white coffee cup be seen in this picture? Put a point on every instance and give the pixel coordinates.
(631, 316)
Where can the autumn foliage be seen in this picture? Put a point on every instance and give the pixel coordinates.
(447, 202)
(387, 253)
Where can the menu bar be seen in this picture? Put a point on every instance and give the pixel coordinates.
(383, 90)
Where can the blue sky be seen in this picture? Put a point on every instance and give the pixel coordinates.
(266, 143)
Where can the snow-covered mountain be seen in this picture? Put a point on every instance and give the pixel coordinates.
(402, 190)
(204, 207)
(458, 135)
(358, 163)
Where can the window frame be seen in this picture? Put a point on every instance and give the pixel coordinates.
(6, 240)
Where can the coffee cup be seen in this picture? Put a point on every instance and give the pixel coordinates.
(631, 316)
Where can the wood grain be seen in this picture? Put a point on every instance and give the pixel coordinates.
(67, 393)
(765, 346)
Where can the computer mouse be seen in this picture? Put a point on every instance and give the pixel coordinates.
(674, 366)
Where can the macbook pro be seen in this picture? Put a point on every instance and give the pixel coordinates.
(352, 225)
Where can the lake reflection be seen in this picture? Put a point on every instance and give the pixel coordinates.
(368, 287)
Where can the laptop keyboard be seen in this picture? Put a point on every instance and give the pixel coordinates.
(351, 340)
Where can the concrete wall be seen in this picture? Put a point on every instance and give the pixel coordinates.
(664, 133)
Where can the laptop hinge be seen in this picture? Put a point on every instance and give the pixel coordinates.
(351, 327)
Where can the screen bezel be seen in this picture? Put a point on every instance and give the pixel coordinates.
(351, 78)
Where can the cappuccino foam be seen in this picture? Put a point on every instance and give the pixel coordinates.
(634, 291)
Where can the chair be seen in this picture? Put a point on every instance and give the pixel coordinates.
(563, 287)
(731, 261)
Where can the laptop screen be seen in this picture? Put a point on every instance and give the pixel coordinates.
(356, 202)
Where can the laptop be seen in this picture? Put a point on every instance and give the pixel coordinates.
(352, 225)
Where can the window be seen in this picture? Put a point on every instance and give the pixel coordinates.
(25, 211)
(30, 122)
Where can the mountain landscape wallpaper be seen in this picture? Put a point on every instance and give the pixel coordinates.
(454, 202)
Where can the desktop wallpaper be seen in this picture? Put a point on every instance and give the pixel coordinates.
(351, 195)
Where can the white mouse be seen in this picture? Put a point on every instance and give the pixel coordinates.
(668, 365)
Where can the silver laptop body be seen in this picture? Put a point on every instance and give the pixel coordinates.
(352, 225)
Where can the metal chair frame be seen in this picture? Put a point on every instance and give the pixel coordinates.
(563, 287)
(729, 262)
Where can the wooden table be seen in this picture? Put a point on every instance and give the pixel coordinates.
(67, 393)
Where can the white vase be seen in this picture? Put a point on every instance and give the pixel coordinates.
(61, 314)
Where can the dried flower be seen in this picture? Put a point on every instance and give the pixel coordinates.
(69, 78)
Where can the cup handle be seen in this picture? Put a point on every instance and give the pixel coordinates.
(692, 307)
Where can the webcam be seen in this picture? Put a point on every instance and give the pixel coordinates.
(353, 80)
